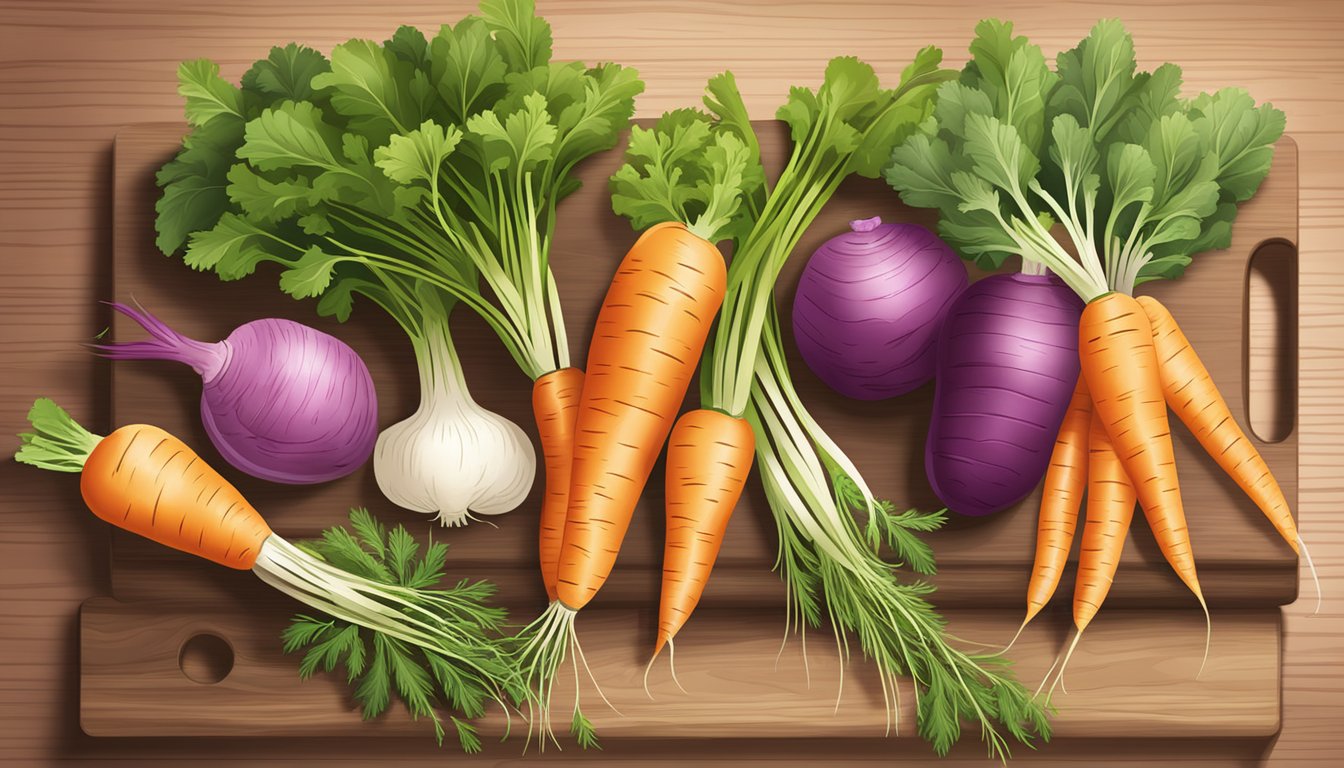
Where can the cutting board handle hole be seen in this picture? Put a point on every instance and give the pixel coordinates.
(1271, 346)
(206, 658)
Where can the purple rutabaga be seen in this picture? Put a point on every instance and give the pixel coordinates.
(869, 306)
(281, 401)
(1007, 365)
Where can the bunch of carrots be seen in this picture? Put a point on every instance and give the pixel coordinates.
(1139, 180)
(1136, 363)
(646, 344)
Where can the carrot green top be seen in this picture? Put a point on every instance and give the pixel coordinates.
(1139, 178)
(57, 443)
(687, 169)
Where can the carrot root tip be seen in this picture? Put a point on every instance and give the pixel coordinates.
(1031, 613)
(1315, 579)
(1208, 635)
(647, 668)
(672, 664)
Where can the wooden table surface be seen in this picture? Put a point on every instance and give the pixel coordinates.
(72, 72)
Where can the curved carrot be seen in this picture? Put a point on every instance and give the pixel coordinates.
(148, 482)
(1110, 508)
(555, 404)
(1115, 345)
(1193, 396)
(647, 341)
(1065, 481)
(709, 456)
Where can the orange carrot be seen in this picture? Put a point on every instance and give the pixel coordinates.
(1192, 395)
(646, 343)
(555, 404)
(1065, 480)
(143, 480)
(709, 456)
(1115, 345)
(1110, 508)
(148, 482)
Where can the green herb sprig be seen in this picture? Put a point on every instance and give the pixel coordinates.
(379, 666)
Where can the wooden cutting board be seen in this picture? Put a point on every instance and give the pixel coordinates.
(131, 646)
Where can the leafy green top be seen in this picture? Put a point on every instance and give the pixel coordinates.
(687, 169)
(377, 664)
(1139, 178)
(406, 171)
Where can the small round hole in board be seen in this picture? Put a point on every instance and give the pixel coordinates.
(206, 658)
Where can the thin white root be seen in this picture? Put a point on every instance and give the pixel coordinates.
(782, 643)
(1068, 655)
(1016, 635)
(1046, 679)
(1208, 636)
(966, 641)
(578, 654)
(648, 667)
(1315, 579)
(672, 664)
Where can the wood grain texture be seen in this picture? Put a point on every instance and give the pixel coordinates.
(1132, 678)
(981, 562)
(76, 70)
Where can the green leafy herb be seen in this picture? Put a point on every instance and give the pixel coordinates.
(687, 169)
(378, 665)
(1139, 178)
(416, 173)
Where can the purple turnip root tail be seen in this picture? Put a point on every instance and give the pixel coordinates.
(166, 344)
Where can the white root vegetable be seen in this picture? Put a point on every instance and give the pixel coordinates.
(452, 457)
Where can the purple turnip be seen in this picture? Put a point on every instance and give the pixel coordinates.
(1007, 365)
(280, 400)
(869, 306)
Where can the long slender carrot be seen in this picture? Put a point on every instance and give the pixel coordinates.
(709, 456)
(1065, 481)
(646, 343)
(1110, 510)
(555, 404)
(1115, 345)
(145, 480)
(1193, 396)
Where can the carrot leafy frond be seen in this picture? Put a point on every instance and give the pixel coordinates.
(57, 442)
(1138, 178)
(464, 676)
(690, 170)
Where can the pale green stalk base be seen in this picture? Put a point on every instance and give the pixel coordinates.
(834, 573)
